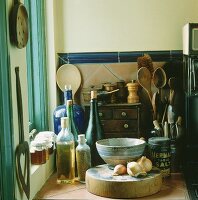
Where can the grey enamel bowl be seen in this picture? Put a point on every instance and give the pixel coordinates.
(120, 150)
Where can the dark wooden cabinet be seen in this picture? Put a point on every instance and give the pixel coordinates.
(119, 120)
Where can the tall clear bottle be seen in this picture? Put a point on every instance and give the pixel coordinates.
(61, 111)
(94, 130)
(65, 153)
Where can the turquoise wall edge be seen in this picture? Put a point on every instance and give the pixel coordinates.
(7, 167)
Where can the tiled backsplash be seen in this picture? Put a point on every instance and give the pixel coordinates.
(96, 73)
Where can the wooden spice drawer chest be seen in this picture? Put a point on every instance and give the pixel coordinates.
(118, 120)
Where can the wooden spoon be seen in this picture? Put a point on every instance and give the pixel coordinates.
(144, 79)
(68, 74)
(155, 104)
(159, 79)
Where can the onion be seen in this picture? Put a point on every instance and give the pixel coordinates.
(134, 169)
(119, 170)
(145, 163)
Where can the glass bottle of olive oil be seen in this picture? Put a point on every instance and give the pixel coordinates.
(65, 154)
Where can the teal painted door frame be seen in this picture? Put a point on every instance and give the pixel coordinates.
(7, 186)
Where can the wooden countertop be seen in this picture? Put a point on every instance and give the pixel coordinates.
(173, 188)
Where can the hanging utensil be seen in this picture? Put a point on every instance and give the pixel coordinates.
(144, 79)
(159, 79)
(23, 146)
(178, 125)
(155, 104)
(68, 74)
(164, 114)
(170, 110)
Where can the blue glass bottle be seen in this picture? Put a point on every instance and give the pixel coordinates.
(61, 111)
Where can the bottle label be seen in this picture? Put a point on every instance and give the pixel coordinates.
(161, 158)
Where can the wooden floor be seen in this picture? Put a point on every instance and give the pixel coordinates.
(173, 188)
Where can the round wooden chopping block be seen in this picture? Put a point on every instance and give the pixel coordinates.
(100, 181)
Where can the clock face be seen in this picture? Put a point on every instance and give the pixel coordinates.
(22, 28)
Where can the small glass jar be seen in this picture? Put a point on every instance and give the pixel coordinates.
(38, 152)
(49, 138)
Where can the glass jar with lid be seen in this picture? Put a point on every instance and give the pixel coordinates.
(49, 138)
(38, 152)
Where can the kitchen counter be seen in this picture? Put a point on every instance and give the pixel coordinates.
(173, 188)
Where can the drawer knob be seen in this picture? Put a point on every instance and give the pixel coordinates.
(126, 126)
(100, 114)
(123, 114)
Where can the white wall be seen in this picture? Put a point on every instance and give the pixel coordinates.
(117, 25)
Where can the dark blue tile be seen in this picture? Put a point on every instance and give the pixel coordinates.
(116, 57)
(129, 56)
(63, 58)
(158, 56)
(79, 58)
(176, 54)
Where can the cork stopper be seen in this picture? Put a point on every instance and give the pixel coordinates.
(81, 139)
(64, 122)
(69, 102)
(94, 94)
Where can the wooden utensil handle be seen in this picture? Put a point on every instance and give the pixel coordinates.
(19, 106)
(164, 114)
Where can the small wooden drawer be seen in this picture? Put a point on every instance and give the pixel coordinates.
(105, 114)
(119, 125)
(125, 114)
(118, 120)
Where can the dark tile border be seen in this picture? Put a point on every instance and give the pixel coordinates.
(117, 57)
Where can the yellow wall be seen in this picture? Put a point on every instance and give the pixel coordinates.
(99, 25)
(121, 25)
